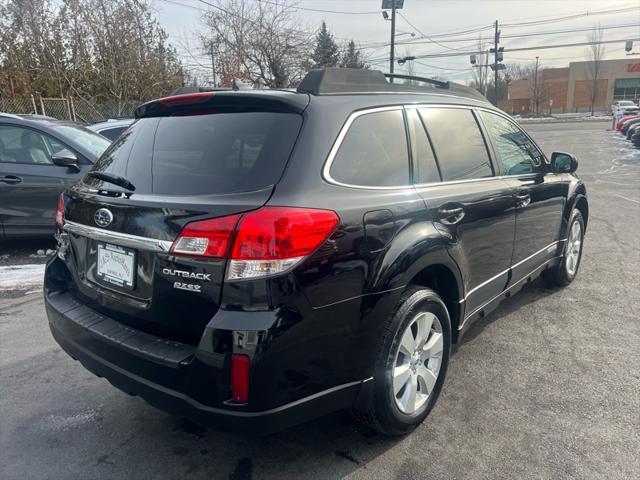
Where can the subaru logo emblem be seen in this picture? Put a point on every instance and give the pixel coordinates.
(103, 217)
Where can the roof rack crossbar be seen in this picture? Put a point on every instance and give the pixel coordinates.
(336, 81)
(437, 83)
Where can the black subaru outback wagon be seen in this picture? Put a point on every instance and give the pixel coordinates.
(257, 258)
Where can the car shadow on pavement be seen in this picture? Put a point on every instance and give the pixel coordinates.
(532, 292)
(86, 426)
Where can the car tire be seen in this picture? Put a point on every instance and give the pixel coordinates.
(567, 271)
(391, 411)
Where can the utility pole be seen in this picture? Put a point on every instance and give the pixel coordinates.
(496, 40)
(393, 38)
(486, 73)
(392, 5)
(536, 95)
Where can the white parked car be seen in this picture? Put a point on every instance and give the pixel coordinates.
(626, 107)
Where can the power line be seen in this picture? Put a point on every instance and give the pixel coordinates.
(342, 12)
(570, 17)
(521, 35)
(423, 34)
(538, 47)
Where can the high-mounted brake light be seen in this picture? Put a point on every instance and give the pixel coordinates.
(267, 241)
(187, 98)
(240, 365)
(60, 212)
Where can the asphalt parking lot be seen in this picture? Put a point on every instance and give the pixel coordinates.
(547, 386)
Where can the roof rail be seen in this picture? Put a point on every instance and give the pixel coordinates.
(329, 81)
(433, 81)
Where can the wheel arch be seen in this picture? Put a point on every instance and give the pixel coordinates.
(444, 279)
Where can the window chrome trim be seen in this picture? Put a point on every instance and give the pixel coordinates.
(326, 175)
(495, 277)
(326, 170)
(124, 239)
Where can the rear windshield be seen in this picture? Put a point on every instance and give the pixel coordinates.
(202, 154)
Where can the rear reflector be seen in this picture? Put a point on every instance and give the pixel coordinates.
(60, 212)
(240, 365)
(267, 241)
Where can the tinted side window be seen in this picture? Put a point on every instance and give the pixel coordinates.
(426, 170)
(374, 152)
(517, 153)
(23, 145)
(458, 143)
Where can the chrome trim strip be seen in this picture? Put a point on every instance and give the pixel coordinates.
(510, 268)
(124, 239)
(505, 291)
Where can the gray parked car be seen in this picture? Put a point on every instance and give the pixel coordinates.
(39, 158)
(111, 128)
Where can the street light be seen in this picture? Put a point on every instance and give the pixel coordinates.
(403, 60)
(392, 5)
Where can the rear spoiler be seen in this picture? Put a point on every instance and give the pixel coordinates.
(224, 101)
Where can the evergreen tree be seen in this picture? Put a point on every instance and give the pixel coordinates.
(351, 57)
(326, 52)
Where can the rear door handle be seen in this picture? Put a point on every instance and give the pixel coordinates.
(524, 199)
(11, 179)
(450, 214)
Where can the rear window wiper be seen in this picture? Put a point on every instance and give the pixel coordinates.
(115, 179)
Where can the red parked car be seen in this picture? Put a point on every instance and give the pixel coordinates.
(624, 120)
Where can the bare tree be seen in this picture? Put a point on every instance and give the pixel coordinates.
(537, 88)
(480, 68)
(92, 49)
(258, 41)
(595, 54)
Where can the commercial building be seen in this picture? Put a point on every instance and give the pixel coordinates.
(569, 89)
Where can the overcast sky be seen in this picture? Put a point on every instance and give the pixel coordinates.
(365, 24)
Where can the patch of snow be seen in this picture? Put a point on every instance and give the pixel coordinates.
(58, 423)
(21, 277)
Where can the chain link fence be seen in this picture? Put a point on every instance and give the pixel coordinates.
(73, 108)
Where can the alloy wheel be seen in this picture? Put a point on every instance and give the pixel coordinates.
(574, 243)
(417, 362)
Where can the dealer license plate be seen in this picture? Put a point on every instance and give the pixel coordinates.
(116, 265)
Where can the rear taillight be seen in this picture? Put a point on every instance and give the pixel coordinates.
(273, 239)
(60, 212)
(240, 365)
(267, 241)
(209, 238)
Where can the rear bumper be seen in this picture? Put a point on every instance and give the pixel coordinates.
(171, 376)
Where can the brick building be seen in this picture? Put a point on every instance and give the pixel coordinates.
(569, 89)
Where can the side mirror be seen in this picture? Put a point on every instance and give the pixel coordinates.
(563, 162)
(66, 158)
